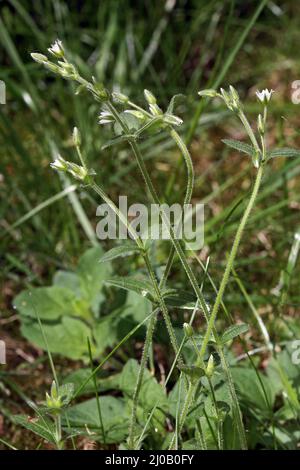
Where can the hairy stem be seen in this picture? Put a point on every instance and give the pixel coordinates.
(143, 365)
(230, 262)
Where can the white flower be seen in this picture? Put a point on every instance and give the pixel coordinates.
(105, 117)
(264, 96)
(57, 49)
(59, 164)
(77, 171)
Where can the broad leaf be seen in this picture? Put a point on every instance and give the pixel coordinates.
(131, 122)
(68, 280)
(250, 389)
(92, 273)
(68, 337)
(151, 394)
(115, 418)
(49, 303)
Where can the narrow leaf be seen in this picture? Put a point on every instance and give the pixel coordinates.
(284, 152)
(233, 331)
(115, 141)
(240, 146)
(120, 251)
(140, 286)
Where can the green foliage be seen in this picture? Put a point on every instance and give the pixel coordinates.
(75, 307)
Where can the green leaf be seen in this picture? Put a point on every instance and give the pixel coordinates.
(68, 280)
(131, 122)
(120, 251)
(233, 331)
(137, 307)
(68, 337)
(250, 388)
(43, 427)
(150, 392)
(115, 141)
(179, 298)
(49, 303)
(284, 152)
(115, 417)
(140, 286)
(174, 100)
(66, 392)
(193, 372)
(92, 273)
(240, 146)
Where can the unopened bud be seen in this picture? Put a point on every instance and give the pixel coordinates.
(260, 125)
(40, 58)
(210, 367)
(149, 97)
(138, 114)
(172, 120)
(120, 97)
(209, 93)
(188, 329)
(155, 110)
(76, 137)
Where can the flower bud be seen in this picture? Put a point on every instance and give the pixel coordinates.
(138, 114)
(40, 58)
(150, 98)
(76, 137)
(209, 93)
(54, 391)
(260, 125)
(59, 164)
(188, 329)
(210, 367)
(120, 97)
(172, 120)
(155, 110)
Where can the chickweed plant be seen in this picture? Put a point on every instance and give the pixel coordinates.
(132, 123)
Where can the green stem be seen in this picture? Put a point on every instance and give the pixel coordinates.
(143, 365)
(230, 262)
(57, 421)
(188, 270)
(249, 130)
(219, 423)
(185, 409)
(161, 302)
